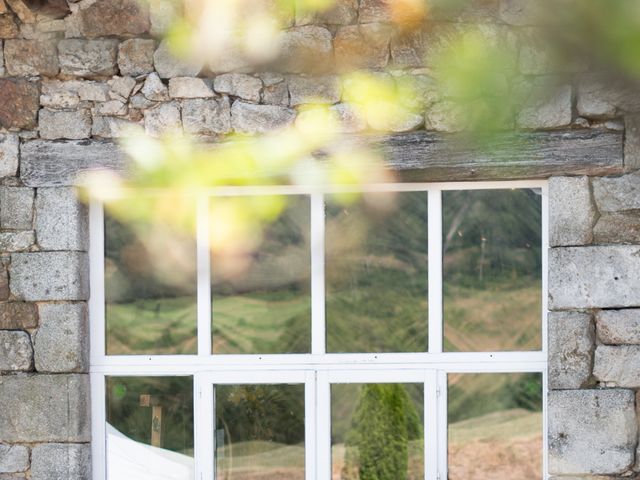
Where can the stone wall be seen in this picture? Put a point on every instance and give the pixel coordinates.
(74, 77)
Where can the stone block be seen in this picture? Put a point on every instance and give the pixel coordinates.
(93, 91)
(111, 127)
(4, 283)
(571, 345)
(362, 46)
(121, 88)
(206, 117)
(306, 48)
(189, 87)
(14, 458)
(571, 210)
(61, 343)
(249, 118)
(168, 65)
(61, 220)
(45, 408)
(317, 89)
(135, 56)
(520, 12)
(88, 58)
(163, 13)
(163, 119)
(16, 208)
(61, 461)
(18, 316)
(617, 366)
(9, 148)
(341, 12)
(619, 327)
(46, 163)
(632, 142)
(615, 194)
(40, 276)
(31, 57)
(24, 97)
(546, 107)
(17, 241)
(114, 17)
(350, 117)
(16, 352)
(375, 11)
(621, 227)
(154, 89)
(8, 27)
(239, 85)
(408, 50)
(71, 125)
(591, 431)
(112, 108)
(602, 97)
(276, 93)
(58, 94)
(594, 277)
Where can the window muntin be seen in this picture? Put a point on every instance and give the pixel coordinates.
(431, 367)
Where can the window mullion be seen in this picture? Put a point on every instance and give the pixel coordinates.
(323, 429)
(442, 425)
(318, 324)
(96, 301)
(98, 426)
(435, 270)
(204, 276)
(430, 426)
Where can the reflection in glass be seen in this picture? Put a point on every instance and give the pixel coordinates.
(492, 251)
(495, 426)
(150, 289)
(150, 428)
(266, 307)
(259, 432)
(376, 274)
(376, 431)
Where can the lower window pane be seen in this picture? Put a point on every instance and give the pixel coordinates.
(150, 428)
(260, 432)
(495, 426)
(376, 431)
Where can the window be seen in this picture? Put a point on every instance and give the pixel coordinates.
(413, 347)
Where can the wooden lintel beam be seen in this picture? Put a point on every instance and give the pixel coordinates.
(415, 156)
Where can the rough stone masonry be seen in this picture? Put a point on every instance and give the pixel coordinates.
(74, 78)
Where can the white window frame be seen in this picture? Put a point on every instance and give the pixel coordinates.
(318, 369)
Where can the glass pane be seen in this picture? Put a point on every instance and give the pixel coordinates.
(492, 247)
(376, 274)
(259, 432)
(266, 306)
(376, 431)
(495, 426)
(150, 428)
(150, 289)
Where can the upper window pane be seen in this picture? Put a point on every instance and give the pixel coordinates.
(265, 306)
(150, 289)
(492, 254)
(376, 274)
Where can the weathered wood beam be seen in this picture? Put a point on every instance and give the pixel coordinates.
(416, 156)
(429, 157)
